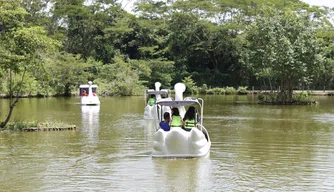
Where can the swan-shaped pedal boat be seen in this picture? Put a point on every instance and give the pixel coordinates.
(152, 110)
(88, 94)
(178, 142)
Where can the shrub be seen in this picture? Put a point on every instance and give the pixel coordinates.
(260, 97)
(190, 84)
(230, 90)
(302, 97)
(218, 90)
(203, 89)
(242, 90)
(209, 92)
(20, 125)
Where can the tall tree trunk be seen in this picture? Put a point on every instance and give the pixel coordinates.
(12, 103)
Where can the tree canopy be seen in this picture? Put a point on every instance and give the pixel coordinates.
(284, 44)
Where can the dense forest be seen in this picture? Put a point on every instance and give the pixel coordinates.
(50, 47)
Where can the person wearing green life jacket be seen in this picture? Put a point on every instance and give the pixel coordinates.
(190, 119)
(151, 100)
(176, 118)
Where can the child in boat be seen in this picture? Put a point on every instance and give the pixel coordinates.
(151, 101)
(176, 118)
(165, 123)
(190, 118)
(84, 93)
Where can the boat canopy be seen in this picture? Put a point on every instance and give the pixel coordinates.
(87, 86)
(171, 102)
(154, 92)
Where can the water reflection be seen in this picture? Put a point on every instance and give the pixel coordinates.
(150, 127)
(90, 121)
(324, 118)
(192, 174)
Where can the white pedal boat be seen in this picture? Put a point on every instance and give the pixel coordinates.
(178, 142)
(151, 112)
(88, 94)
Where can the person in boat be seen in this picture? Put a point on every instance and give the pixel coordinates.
(151, 100)
(176, 118)
(190, 118)
(165, 123)
(84, 93)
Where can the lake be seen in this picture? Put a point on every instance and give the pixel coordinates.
(254, 148)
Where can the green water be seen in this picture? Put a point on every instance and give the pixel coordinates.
(254, 148)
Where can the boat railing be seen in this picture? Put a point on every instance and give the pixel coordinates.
(203, 129)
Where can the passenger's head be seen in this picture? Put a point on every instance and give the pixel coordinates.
(175, 111)
(166, 116)
(192, 109)
(190, 114)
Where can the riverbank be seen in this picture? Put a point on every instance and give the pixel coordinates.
(250, 92)
(312, 92)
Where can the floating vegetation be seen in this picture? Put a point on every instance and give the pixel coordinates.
(38, 126)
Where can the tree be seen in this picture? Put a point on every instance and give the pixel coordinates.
(66, 72)
(203, 49)
(121, 78)
(22, 46)
(283, 48)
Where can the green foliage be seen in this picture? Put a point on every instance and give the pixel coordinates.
(30, 87)
(120, 78)
(302, 97)
(190, 85)
(203, 49)
(230, 90)
(167, 42)
(216, 90)
(226, 90)
(203, 88)
(161, 70)
(19, 125)
(273, 97)
(284, 49)
(260, 97)
(66, 72)
(242, 90)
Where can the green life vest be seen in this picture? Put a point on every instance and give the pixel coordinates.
(176, 121)
(190, 123)
(151, 101)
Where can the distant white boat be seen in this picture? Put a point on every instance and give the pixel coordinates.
(177, 142)
(88, 94)
(152, 110)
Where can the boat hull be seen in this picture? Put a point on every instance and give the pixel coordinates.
(90, 100)
(180, 143)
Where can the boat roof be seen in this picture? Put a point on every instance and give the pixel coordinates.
(87, 86)
(171, 102)
(154, 92)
